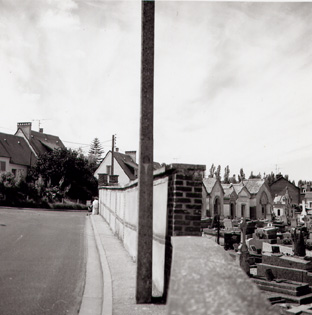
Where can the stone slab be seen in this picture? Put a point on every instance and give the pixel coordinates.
(286, 284)
(282, 272)
(286, 261)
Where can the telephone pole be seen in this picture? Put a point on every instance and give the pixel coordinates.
(113, 149)
(145, 199)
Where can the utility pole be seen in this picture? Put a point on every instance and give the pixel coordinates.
(113, 148)
(146, 158)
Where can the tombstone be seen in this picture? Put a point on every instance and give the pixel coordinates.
(293, 223)
(228, 225)
(299, 245)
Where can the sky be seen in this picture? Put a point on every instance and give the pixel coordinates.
(232, 79)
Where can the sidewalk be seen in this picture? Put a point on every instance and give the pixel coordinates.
(119, 273)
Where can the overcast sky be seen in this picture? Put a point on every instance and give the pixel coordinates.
(232, 79)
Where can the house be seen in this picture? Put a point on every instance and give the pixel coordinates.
(15, 155)
(213, 196)
(282, 204)
(229, 200)
(261, 201)
(38, 142)
(124, 166)
(278, 188)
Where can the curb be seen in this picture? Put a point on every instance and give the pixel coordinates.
(107, 304)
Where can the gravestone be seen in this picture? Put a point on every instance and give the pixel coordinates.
(228, 225)
(243, 252)
(299, 246)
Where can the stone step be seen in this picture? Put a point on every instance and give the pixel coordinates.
(305, 299)
(280, 290)
(287, 287)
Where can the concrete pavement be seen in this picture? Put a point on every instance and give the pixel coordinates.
(116, 271)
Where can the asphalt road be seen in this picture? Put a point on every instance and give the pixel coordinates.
(42, 261)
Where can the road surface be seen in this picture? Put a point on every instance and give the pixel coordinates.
(42, 261)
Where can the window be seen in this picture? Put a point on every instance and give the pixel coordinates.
(2, 166)
(108, 169)
(14, 171)
(278, 212)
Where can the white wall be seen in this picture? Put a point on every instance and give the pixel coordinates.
(119, 207)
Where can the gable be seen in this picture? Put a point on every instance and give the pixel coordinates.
(244, 193)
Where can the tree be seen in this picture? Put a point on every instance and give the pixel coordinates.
(252, 176)
(212, 171)
(270, 178)
(217, 173)
(242, 174)
(226, 178)
(233, 179)
(96, 151)
(65, 172)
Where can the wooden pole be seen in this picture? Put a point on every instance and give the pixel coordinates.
(145, 213)
(113, 148)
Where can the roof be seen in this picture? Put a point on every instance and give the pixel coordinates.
(238, 187)
(16, 149)
(126, 162)
(280, 177)
(209, 183)
(253, 185)
(228, 190)
(42, 142)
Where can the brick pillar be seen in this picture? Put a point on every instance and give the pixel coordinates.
(184, 207)
(103, 180)
(113, 179)
(185, 200)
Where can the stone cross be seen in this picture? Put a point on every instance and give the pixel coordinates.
(243, 249)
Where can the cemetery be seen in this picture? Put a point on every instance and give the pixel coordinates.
(277, 256)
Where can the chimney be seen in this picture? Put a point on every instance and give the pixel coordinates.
(132, 154)
(25, 127)
(41, 130)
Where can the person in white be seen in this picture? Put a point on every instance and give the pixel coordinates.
(95, 206)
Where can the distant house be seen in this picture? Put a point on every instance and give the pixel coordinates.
(125, 166)
(281, 203)
(15, 155)
(39, 142)
(212, 198)
(278, 188)
(261, 200)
